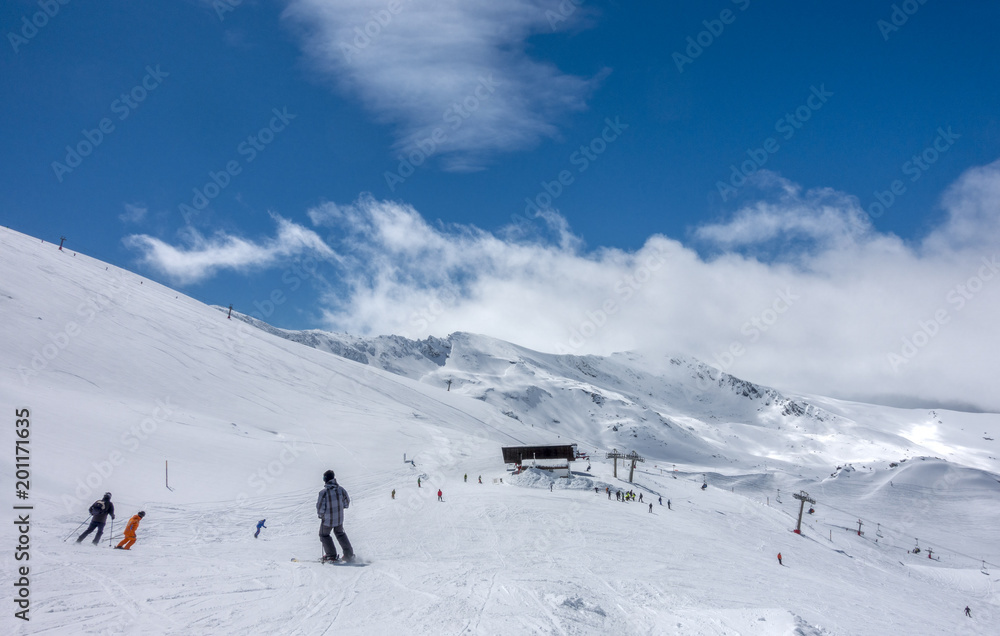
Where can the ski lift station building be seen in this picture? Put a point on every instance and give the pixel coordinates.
(555, 459)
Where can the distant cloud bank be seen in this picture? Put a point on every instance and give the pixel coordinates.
(798, 290)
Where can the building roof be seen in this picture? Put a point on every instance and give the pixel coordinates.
(515, 454)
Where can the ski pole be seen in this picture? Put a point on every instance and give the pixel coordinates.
(111, 534)
(74, 532)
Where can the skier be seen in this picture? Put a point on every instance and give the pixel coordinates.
(330, 506)
(668, 505)
(260, 524)
(779, 559)
(418, 482)
(466, 478)
(661, 500)
(968, 612)
(393, 493)
(550, 487)
(480, 479)
(704, 486)
(439, 495)
(640, 497)
(133, 525)
(651, 507)
(99, 510)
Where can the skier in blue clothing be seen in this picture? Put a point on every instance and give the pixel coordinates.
(260, 524)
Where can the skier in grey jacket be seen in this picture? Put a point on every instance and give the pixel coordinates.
(330, 507)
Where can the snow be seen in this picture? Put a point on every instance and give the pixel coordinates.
(122, 374)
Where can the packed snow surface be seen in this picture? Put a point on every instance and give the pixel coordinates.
(129, 383)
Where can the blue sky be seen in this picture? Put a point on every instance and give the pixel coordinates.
(242, 150)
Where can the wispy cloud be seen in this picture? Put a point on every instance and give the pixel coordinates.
(201, 257)
(134, 213)
(844, 310)
(422, 67)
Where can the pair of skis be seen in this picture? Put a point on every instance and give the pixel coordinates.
(341, 563)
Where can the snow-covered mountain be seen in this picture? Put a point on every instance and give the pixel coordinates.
(675, 409)
(121, 380)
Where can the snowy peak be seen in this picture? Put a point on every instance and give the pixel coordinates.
(672, 408)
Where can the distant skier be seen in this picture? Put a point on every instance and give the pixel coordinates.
(779, 559)
(260, 524)
(661, 500)
(668, 505)
(704, 486)
(393, 493)
(968, 612)
(440, 495)
(133, 525)
(330, 506)
(640, 498)
(550, 487)
(466, 478)
(418, 482)
(480, 479)
(99, 511)
(651, 507)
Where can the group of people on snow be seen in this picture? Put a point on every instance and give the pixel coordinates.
(99, 512)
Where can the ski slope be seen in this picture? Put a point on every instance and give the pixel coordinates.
(122, 375)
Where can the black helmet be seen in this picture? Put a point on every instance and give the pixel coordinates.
(328, 476)
(107, 496)
(142, 513)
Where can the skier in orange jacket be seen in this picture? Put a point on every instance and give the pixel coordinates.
(133, 525)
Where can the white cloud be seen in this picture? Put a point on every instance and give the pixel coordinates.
(133, 213)
(203, 257)
(848, 311)
(456, 66)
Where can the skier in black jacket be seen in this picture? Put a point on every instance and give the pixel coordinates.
(100, 510)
